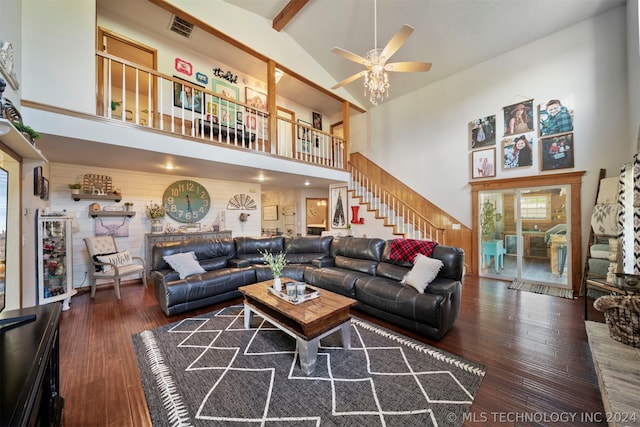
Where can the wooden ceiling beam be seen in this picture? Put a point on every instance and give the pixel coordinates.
(288, 13)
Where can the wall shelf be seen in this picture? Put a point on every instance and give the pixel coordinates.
(111, 213)
(18, 143)
(116, 197)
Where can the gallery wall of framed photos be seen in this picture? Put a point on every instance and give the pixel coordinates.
(528, 137)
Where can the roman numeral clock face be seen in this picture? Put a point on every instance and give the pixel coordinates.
(186, 201)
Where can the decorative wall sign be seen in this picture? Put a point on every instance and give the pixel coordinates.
(183, 67)
(202, 78)
(228, 76)
(270, 213)
(37, 180)
(7, 66)
(241, 201)
(255, 99)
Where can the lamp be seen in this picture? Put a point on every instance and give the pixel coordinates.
(376, 79)
(278, 74)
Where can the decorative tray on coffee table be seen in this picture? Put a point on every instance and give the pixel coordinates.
(309, 294)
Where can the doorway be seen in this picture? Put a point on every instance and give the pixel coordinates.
(317, 214)
(525, 234)
(129, 95)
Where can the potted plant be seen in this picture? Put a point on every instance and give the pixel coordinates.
(75, 188)
(276, 263)
(27, 131)
(488, 220)
(155, 212)
(128, 206)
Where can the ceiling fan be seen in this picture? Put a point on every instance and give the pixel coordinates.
(375, 61)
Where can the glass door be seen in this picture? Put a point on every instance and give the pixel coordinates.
(524, 234)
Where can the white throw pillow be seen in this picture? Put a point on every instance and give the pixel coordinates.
(120, 259)
(424, 270)
(185, 264)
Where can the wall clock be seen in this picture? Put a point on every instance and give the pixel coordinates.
(186, 201)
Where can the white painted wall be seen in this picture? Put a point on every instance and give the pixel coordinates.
(423, 138)
(633, 67)
(142, 189)
(58, 53)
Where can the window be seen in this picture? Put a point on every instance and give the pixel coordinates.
(534, 207)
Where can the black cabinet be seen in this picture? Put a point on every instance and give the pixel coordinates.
(30, 369)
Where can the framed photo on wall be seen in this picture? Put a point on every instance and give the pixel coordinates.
(37, 181)
(317, 121)
(339, 206)
(255, 99)
(483, 132)
(557, 152)
(518, 118)
(185, 96)
(44, 193)
(483, 163)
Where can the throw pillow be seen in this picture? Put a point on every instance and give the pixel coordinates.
(185, 264)
(95, 259)
(424, 270)
(119, 259)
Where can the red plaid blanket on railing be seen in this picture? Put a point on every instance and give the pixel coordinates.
(406, 249)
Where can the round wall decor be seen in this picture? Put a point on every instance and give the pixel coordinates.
(186, 201)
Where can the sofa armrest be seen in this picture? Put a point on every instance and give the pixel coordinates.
(164, 276)
(239, 263)
(325, 261)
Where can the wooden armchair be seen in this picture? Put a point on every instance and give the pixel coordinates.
(111, 264)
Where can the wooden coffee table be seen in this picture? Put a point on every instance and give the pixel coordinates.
(307, 322)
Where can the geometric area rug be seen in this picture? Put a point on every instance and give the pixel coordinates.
(537, 288)
(208, 370)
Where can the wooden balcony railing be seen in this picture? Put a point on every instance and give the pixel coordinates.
(134, 94)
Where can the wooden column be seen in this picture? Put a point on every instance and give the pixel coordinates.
(345, 133)
(271, 106)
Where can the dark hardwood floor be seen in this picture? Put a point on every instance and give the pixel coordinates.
(539, 367)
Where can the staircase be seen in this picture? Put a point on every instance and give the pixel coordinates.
(406, 222)
(400, 207)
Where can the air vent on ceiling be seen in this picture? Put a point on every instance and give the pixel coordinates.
(180, 26)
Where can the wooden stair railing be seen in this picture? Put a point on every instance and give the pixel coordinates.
(411, 215)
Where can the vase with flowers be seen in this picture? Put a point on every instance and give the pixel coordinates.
(276, 263)
(156, 212)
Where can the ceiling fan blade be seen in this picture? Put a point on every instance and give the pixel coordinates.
(408, 67)
(350, 79)
(350, 56)
(397, 41)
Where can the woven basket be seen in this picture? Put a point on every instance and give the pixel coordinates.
(622, 314)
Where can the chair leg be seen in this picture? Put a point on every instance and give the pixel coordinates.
(116, 285)
(144, 280)
(93, 288)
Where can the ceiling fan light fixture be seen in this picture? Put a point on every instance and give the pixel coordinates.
(376, 80)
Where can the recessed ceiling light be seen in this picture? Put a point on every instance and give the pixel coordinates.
(168, 166)
(307, 182)
(261, 177)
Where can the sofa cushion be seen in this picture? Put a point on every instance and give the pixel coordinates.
(423, 272)
(203, 248)
(185, 264)
(304, 245)
(249, 248)
(400, 300)
(119, 259)
(338, 280)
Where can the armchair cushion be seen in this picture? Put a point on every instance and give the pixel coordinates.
(185, 264)
(119, 259)
(423, 272)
